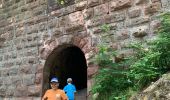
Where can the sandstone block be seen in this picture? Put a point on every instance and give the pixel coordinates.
(31, 53)
(76, 18)
(21, 91)
(141, 32)
(120, 4)
(87, 47)
(29, 38)
(153, 1)
(76, 40)
(115, 17)
(28, 79)
(92, 3)
(122, 35)
(76, 1)
(91, 70)
(10, 27)
(64, 21)
(95, 22)
(165, 3)
(43, 53)
(58, 13)
(115, 46)
(10, 91)
(57, 32)
(88, 13)
(83, 42)
(3, 91)
(42, 26)
(65, 39)
(152, 8)
(134, 13)
(81, 5)
(137, 21)
(13, 71)
(104, 1)
(9, 64)
(16, 80)
(19, 33)
(33, 5)
(32, 60)
(5, 36)
(154, 25)
(36, 98)
(2, 40)
(23, 8)
(13, 55)
(26, 69)
(1, 81)
(41, 19)
(97, 30)
(38, 78)
(19, 47)
(30, 30)
(101, 9)
(75, 28)
(69, 9)
(5, 72)
(34, 90)
(138, 2)
(29, 1)
(119, 57)
(90, 83)
(22, 98)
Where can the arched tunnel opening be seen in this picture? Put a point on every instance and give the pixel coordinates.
(66, 61)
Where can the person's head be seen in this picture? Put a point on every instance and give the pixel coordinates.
(54, 83)
(69, 80)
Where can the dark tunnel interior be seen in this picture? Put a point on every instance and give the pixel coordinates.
(70, 62)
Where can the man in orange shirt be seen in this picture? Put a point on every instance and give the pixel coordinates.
(54, 93)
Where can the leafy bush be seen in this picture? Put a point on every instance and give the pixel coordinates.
(146, 65)
(142, 71)
(162, 44)
(111, 77)
(155, 60)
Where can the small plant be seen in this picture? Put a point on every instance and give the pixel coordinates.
(106, 28)
(62, 2)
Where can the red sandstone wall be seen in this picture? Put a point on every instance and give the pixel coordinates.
(29, 31)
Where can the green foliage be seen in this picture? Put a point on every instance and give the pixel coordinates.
(162, 44)
(110, 76)
(155, 60)
(104, 56)
(149, 61)
(105, 28)
(62, 2)
(142, 71)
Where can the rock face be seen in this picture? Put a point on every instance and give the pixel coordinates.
(159, 90)
(30, 30)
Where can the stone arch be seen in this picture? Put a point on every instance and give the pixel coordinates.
(65, 61)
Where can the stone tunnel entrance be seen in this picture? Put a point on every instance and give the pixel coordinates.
(67, 61)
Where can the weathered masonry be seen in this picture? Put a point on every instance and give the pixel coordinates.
(41, 38)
